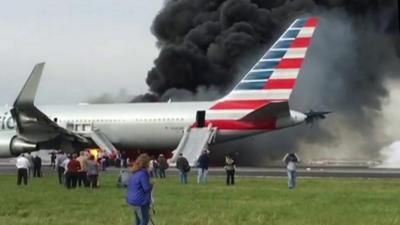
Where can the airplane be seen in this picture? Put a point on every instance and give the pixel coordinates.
(258, 103)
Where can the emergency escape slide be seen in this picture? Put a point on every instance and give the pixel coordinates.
(193, 142)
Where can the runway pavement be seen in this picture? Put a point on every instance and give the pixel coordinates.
(361, 172)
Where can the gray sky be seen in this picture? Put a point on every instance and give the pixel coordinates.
(90, 47)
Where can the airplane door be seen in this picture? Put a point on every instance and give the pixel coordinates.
(201, 118)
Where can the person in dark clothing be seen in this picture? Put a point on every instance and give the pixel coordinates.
(72, 172)
(53, 160)
(183, 166)
(37, 166)
(203, 162)
(124, 159)
(118, 162)
(163, 165)
(104, 162)
(230, 166)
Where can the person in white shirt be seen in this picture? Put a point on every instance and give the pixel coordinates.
(61, 168)
(29, 157)
(22, 169)
(291, 160)
(65, 163)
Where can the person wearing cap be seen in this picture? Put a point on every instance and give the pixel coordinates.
(22, 169)
(183, 166)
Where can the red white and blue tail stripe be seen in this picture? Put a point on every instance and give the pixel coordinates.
(274, 76)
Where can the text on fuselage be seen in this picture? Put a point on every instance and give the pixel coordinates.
(6, 121)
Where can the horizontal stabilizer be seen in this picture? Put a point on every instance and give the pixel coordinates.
(275, 109)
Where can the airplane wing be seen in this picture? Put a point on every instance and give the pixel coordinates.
(32, 124)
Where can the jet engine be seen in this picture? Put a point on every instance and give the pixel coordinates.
(12, 145)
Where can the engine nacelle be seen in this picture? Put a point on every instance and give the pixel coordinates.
(12, 145)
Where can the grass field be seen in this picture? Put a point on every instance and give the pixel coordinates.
(252, 201)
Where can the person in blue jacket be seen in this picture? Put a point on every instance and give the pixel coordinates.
(139, 190)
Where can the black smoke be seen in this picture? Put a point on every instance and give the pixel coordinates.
(209, 44)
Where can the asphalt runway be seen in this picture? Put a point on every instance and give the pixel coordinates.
(355, 172)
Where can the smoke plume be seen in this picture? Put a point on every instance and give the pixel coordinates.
(207, 45)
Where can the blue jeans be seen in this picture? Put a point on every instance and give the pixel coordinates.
(291, 178)
(142, 214)
(183, 176)
(202, 176)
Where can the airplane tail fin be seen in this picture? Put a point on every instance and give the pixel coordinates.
(273, 77)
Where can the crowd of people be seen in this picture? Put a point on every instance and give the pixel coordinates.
(83, 171)
(78, 171)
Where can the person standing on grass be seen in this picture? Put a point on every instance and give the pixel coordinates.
(124, 159)
(22, 169)
(92, 172)
(60, 167)
(183, 166)
(151, 167)
(37, 166)
(30, 160)
(203, 163)
(154, 167)
(139, 190)
(104, 162)
(72, 171)
(82, 173)
(65, 163)
(123, 178)
(163, 165)
(291, 160)
(53, 160)
(230, 167)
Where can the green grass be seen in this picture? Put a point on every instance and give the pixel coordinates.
(252, 201)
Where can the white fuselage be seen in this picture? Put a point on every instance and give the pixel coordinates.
(144, 126)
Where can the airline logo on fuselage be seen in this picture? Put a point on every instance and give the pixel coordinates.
(6, 121)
